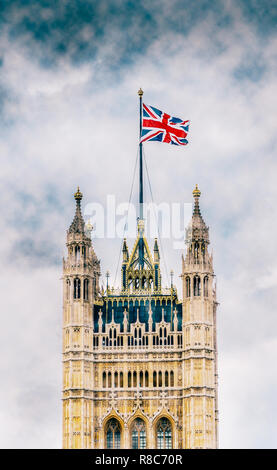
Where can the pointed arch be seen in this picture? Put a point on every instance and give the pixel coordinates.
(206, 288)
(67, 295)
(164, 436)
(196, 286)
(113, 434)
(188, 286)
(138, 434)
(77, 288)
(86, 284)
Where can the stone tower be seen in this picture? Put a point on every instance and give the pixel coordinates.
(199, 336)
(139, 365)
(80, 288)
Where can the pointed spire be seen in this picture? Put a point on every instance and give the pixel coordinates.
(156, 251)
(125, 251)
(78, 223)
(197, 229)
(196, 194)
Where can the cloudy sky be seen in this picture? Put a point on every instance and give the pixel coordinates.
(69, 75)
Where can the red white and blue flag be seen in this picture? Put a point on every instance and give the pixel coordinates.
(161, 127)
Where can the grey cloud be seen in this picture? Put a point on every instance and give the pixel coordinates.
(69, 129)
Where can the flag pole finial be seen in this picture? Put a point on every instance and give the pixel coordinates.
(140, 92)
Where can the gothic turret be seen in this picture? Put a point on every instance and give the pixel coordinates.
(199, 333)
(81, 271)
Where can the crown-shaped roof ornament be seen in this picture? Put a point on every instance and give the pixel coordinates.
(196, 192)
(78, 195)
(140, 92)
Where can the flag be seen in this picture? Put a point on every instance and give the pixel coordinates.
(161, 127)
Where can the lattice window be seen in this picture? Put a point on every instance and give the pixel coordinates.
(113, 434)
(164, 434)
(138, 434)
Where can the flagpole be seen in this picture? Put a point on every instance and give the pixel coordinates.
(140, 222)
(140, 93)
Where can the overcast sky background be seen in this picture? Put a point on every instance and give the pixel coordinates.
(69, 75)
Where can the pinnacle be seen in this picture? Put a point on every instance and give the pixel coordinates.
(78, 223)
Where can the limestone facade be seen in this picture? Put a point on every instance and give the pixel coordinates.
(139, 365)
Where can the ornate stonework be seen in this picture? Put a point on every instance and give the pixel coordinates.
(139, 365)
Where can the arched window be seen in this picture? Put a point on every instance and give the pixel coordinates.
(67, 289)
(137, 283)
(166, 379)
(104, 379)
(138, 434)
(196, 286)
(77, 254)
(116, 379)
(109, 380)
(113, 434)
(77, 288)
(196, 250)
(130, 283)
(164, 434)
(141, 379)
(206, 282)
(129, 379)
(143, 282)
(86, 289)
(172, 379)
(134, 379)
(188, 286)
(160, 379)
(121, 380)
(154, 379)
(150, 283)
(146, 379)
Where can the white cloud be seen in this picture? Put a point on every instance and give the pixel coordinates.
(66, 129)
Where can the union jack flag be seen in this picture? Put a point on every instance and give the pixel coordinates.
(161, 127)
